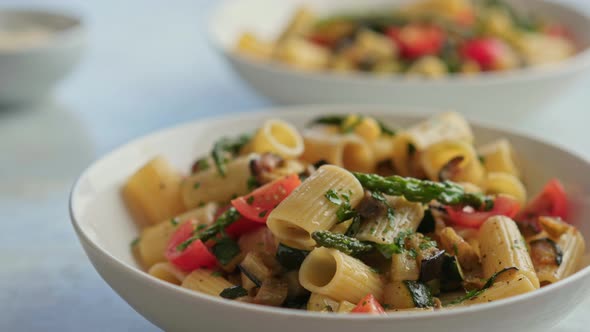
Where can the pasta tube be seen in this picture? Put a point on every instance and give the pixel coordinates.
(507, 184)
(210, 186)
(452, 160)
(167, 272)
(384, 229)
(307, 209)
(152, 194)
(332, 273)
(516, 285)
(502, 246)
(445, 126)
(322, 303)
(499, 157)
(349, 151)
(278, 137)
(206, 281)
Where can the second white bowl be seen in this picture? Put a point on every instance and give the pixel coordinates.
(523, 89)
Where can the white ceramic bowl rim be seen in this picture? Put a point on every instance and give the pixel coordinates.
(576, 63)
(374, 109)
(60, 35)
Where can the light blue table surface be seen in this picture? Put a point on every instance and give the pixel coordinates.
(148, 65)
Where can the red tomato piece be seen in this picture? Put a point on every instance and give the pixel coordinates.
(466, 17)
(257, 205)
(241, 227)
(416, 41)
(467, 217)
(558, 30)
(369, 305)
(193, 257)
(551, 202)
(487, 52)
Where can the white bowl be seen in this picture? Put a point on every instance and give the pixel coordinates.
(106, 230)
(522, 89)
(29, 73)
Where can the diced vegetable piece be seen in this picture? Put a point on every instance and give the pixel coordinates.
(452, 274)
(420, 293)
(273, 292)
(233, 292)
(490, 53)
(467, 217)
(369, 305)
(431, 267)
(545, 252)
(195, 255)
(152, 194)
(290, 258)
(551, 202)
(257, 205)
(416, 40)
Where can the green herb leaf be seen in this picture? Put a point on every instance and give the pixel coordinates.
(233, 292)
(250, 200)
(197, 185)
(252, 183)
(225, 250)
(135, 242)
(226, 146)
(174, 222)
(386, 130)
(227, 218)
(476, 292)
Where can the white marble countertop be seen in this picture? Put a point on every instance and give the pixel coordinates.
(148, 66)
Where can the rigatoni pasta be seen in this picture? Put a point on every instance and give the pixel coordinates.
(325, 221)
(306, 210)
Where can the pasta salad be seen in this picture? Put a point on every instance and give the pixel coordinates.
(426, 38)
(350, 215)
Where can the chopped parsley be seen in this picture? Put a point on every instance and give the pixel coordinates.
(262, 214)
(227, 146)
(197, 185)
(345, 211)
(252, 183)
(135, 242)
(203, 164)
(225, 250)
(227, 218)
(489, 283)
(174, 222)
(385, 129)
(216, 274)
(250, 200)
(390, 213)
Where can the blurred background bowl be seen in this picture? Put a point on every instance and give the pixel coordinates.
(38, 48)
(505, 92)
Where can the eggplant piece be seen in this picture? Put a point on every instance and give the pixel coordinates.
(452, 274)
(420, 293)
(452, 269)
(427, 224)
(431, 267)
(545, 252)
(250, 275)
(290, 258)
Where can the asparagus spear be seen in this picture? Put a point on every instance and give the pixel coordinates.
(423, 191)
(346, 244)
